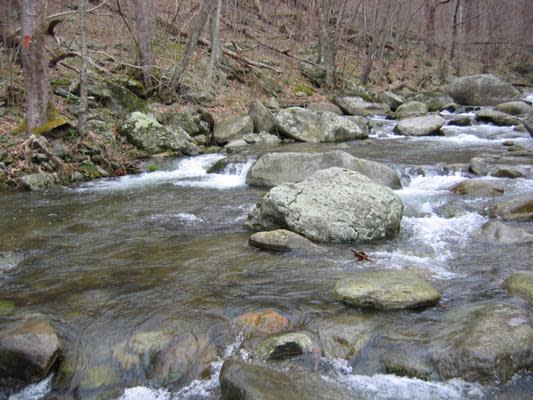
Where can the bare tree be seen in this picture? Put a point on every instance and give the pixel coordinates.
(216, 52)
(34, 65)
(82, 112)
(144, 23)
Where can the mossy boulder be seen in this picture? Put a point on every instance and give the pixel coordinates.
(386, 290)
(521, 284)
(39, 182)
(123, 100)
(285, 346)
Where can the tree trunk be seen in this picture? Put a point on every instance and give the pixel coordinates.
(34, 66)
(455, 38)
(379, 31)
(215, 42)
(144, 23)
(82, 112)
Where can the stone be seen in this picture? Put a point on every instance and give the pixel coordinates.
(357, 106)
(273, 169)
(392, 100)
(285, 346)
(240, 380)
(514, 108)
(38, 182)
(332, 205)
(234, 144)
(528, 123)
(315, 73)
(478, 187)
(262, 323)
(435, 101)
(226, 162)
(498, 232)
(356, 89)
(261, 138)
(149, 135)
(494, 342)
(478, 166)
(481, 90)
(521, 284)
(325, 106)
(411, 109)
(460, 121)
(233, 128)
(122, 100)
(496, 117)
(28, 349)
(280, 240)
(261, 116)
(516, 209)
(386, 290)
(408, 365)
(507, 172)
(316, 127)
(420, 126)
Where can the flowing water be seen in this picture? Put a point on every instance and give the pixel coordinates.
(117, 256)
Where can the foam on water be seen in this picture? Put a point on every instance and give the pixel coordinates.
(189, 172)
(37, 391)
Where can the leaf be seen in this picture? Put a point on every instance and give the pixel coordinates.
(359, 255)
(26, 41)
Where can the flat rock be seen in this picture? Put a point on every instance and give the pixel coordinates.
(496, 117)
(233, 128)
(478, 187)
(411, 109)
(420, 126)
(386, 290)
(280, 240)
(521, 284)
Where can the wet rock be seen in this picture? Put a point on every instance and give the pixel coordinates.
(392, 100)
(316, 127)
(240, 380)
(262, 323)
(280, 240)
(28, 349)
(507, 172)
(146, 133)
(261, 116)
(514, 108)
(519, 209)
(261, 137)
(325, 106)
(481, 90)
(285, 346)
(223, 163)
(478, 187)
(496, 117)
(233, 128)
(332, 205)
(478, 166)
(403, 364)
(386, 290)
(411, 109)
(273, 169)
(521, 283)
(495, 342)
(460, 121)
(345, 336)
(498, 232)
(38, 182)
(528, 123)
(357, 106)
(420, 126)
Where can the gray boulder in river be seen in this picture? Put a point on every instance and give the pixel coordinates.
(386, 290)
(273, 169)
(411, 109)
(514, 108)
(420, 126)
(332, 205)
(481, 90)
(357, 106)
(316, 126)
(496, 117)
(233, 128)
(517, 209)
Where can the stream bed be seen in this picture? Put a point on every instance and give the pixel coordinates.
(115, 257)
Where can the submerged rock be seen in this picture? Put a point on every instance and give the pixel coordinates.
(498, 232)
(234, 128)
(495, 343)
(332, 205)
(420, 126)
(240, 380)
(411, 109)
(285, 346)
(262, 323)
(481, 90)
(316, 127)
(521, 283)
(28, 349)
(39, 182)
(496, 117)
(276, 168)
(280, 240)
(386, 290)
(357, 106)
(514, 108)
(404, 364)
(460, 121)
(519, 209)
(478, 187)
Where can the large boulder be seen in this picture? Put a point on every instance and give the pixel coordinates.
(520, 284)
(28, 349)
(518, 208)
(481, 90)
(435, 101)
(240, 380)
(420, 126)
(493, 342)
(392, 100)
(38, 182)
(528, 123)
(514, 108)
(280, 240)
(386, 290)
(498, 232)
(496, 117)
(332, 205)
(149, 135)
(478, 187)
(262, 117)
(325, 106)
(411, 109)
(357, 106)
(316, 127)
(233, 128)
(273, 169)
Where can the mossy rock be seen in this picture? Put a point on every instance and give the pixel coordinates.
(520, 284)
(124, 100)
(6, 307)
(301, 88)
(53, 120)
